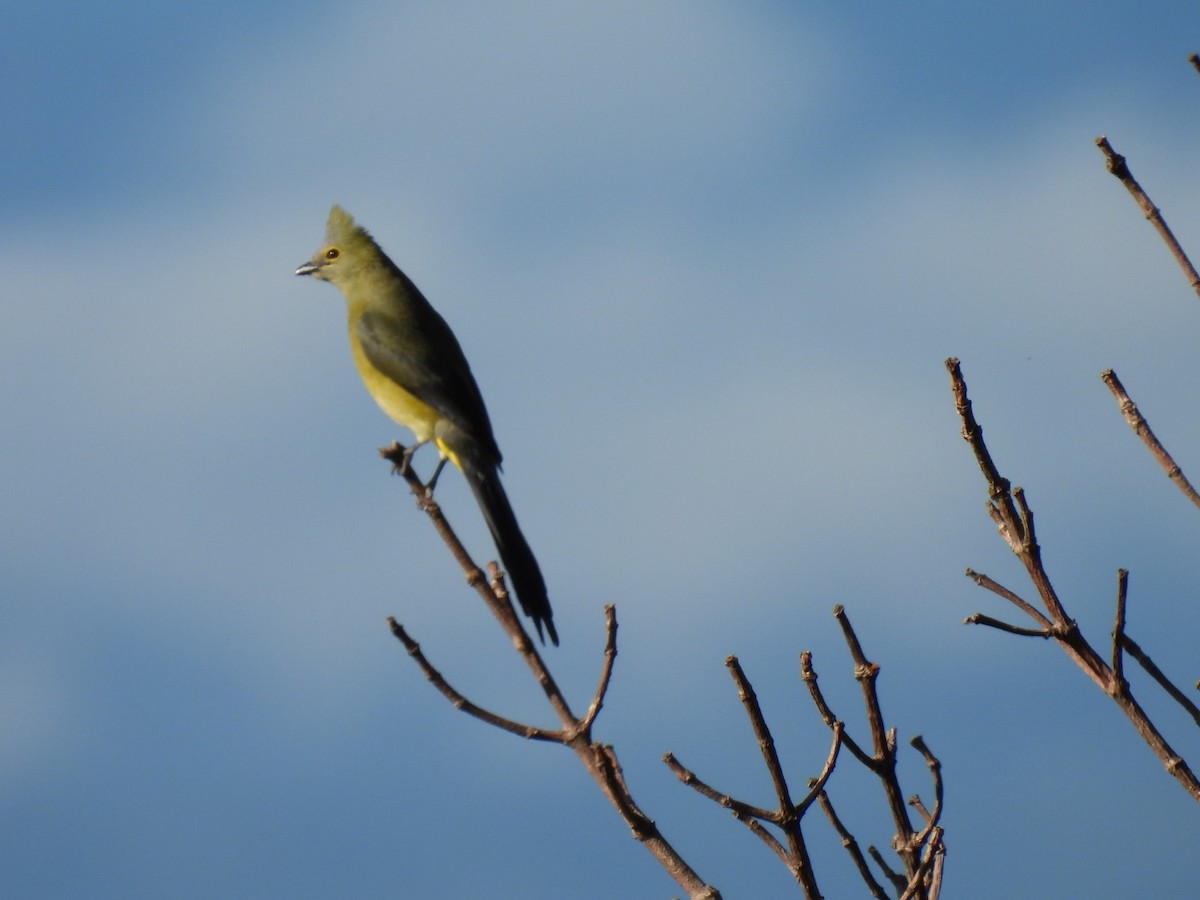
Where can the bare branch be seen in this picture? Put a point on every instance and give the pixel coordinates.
(1120, 168)
(786, 817)
(696, 783)
(899, 882)
(602, 763)
(1062, 628)
(1000, 590)
(928, 877)
(972, 432)
(1142, 429)
(851, 845)
(816, 786)
(600, 760)
(809, 675)
(461, 702)
(1031, 556)
(981, 619)
(1015, 517)
(918, 804)
(935, 852)
(759, 831)
(1133, 649)
(883, 764)
(766, 743)
(935, 772)
(610, 658)
(1118, 635)
(745, 813)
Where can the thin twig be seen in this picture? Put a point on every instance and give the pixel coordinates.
(1120, 168)
(1134, 649)
(766, 743)
(972, 432)
(899, 882)
(462, 703)
(884, 762)
(759, 830)
(981, 619)
(935, 773)
(918, 804)
(788, 820)
(753, 816)
(851, 845)
(809, 675)
(1142, 429)
(1000, 590)
(1118, 635)
(927, 879)
(1031, 557)
(610, 658)
(701, 787)
(936, 849)
(816, 786)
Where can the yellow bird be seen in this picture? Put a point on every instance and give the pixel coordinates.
(413, 366)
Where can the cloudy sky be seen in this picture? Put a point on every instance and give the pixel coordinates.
(707, 261)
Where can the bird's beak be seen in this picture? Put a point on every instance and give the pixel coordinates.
(307, 269)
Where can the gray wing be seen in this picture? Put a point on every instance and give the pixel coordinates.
(429, 363)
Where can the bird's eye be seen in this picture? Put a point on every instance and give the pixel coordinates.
(332, 253)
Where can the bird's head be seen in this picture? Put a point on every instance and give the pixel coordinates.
(347, 249)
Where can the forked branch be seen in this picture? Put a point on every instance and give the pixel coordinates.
(600, 760)
(1013, 517)
(921, 852)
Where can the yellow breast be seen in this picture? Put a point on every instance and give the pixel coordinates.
(414, 414)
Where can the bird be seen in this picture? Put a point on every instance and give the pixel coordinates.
(415, 369)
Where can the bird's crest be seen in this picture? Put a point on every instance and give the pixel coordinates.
(340, 230)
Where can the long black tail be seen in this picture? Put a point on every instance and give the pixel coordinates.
(524, 574)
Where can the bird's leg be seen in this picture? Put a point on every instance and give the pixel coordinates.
(405, 464)
(433, 480)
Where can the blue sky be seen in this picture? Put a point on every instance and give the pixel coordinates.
(706, 260)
